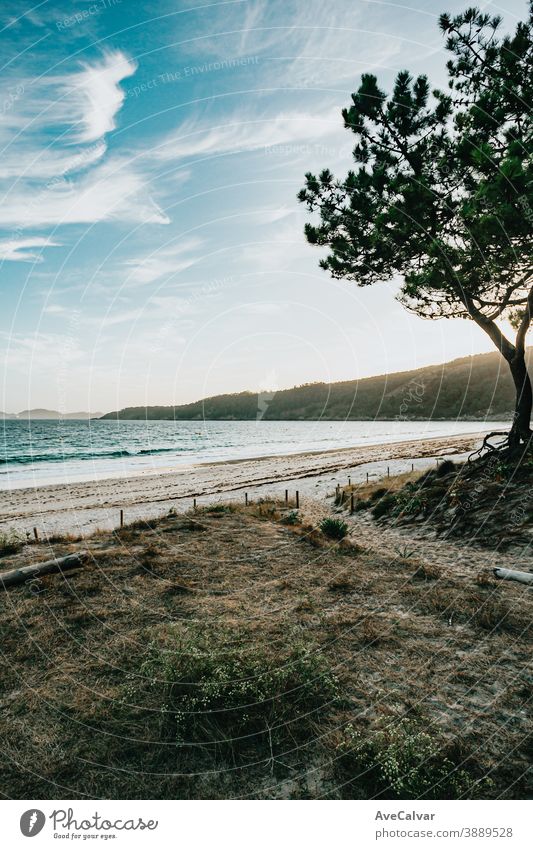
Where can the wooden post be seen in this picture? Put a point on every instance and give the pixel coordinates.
(349, 481)
(36, 534)
(352, 506)
(246, 499)
(388, 472)
(122, 518)
(286, 496)
(194, 503)
(367, 477)
(297, 499)
(412, 467)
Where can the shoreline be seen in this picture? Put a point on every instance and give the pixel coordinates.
(84, 507)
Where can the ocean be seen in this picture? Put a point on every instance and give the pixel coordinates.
(36, 453)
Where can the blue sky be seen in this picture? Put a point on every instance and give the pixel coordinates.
(151, 243)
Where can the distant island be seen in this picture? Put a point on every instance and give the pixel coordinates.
(54, 415)
(469, 388)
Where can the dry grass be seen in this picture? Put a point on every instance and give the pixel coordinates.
(95, 673)
(376, 488)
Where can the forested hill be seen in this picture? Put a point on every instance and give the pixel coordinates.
(471, 387)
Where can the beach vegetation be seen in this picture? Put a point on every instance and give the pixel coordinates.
(333, 528)
(226, 666)
(11, 542)
(405, 761)
(235, 698)
(291, 518)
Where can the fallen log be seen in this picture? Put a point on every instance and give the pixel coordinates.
(514, 575)
(59, 564)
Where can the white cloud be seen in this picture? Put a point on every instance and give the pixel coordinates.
(161, 263)
(114, 190)
(53, 166)
(237, 136)
(94, 95)
(21, 249)
(312, 44)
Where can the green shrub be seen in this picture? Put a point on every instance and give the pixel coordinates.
(292, 518)
(334, 528)
(384, 506)
(237, 700)
(445, 468)
(10, 542)
(404, 762)
(409, 500)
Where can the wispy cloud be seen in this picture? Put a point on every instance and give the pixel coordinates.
(114, 190)
(95, 95)
(195, 139)
(23, 250)
(53, 149)
(164, 262)
(311, 43)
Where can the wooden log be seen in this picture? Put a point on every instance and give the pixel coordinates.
(514, 575)
(59, 564)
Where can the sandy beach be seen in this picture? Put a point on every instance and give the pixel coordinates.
(81, 508)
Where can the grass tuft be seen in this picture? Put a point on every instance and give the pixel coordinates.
(10, 542)
(334, 528)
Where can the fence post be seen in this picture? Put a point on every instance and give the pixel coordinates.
(286, 496)
(352, 506)
(297, 499)
(246, 499)
(36, 534)
(122, 518)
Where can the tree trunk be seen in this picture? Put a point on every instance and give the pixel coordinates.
(521, 429)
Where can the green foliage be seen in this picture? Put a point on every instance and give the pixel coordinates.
(334, 528)
(10, 542)
(384, 506)
(404, 762)
(442, 189)
(292, 518)
(235, 698)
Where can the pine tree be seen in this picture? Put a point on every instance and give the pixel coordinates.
(441, 194)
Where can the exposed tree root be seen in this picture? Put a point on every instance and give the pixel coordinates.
(510, 449)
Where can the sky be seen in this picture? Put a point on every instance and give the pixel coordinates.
(151, 243)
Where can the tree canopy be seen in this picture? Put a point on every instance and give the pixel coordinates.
(441, 194)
